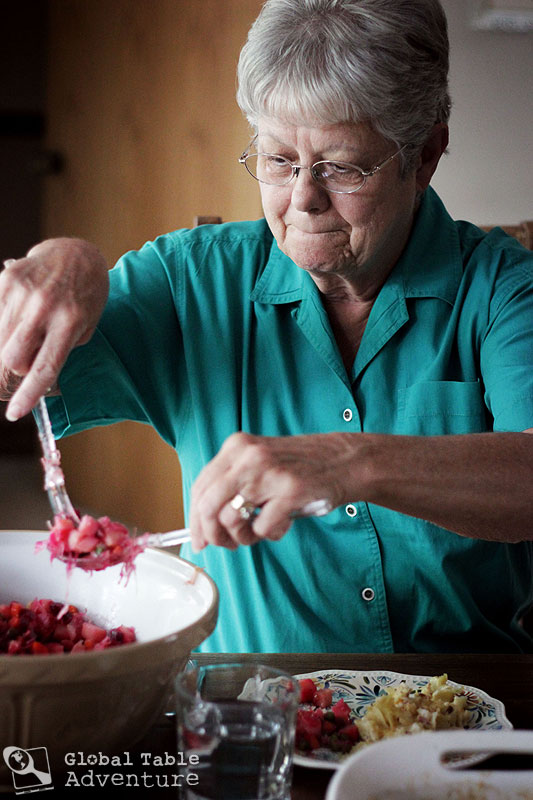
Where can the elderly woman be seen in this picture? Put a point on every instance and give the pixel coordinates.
(356, 346)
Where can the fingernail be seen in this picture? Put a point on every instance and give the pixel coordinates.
(14, 412)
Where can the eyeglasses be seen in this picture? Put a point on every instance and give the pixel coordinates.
(335, 176)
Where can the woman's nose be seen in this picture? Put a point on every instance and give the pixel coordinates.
(307, 194)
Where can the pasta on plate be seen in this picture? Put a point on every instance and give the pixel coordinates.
(405, 709)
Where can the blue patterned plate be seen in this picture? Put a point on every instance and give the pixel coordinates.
(360, 689)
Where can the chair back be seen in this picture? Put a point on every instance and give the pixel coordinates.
(206, 220)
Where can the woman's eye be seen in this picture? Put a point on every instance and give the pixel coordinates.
(277, 161)
(276, 165)
(339, 168)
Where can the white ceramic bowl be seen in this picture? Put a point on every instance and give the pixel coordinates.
(416, 767)
(108, 699)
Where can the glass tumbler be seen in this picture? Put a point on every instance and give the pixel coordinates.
(236, 731)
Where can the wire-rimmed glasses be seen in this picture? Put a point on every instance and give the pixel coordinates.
(335, 176)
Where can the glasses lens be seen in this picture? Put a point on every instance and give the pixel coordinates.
(338, 176)
(269, 168)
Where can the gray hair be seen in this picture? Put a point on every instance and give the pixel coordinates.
(329, 61)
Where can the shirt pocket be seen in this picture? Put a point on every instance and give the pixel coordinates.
(442, 407)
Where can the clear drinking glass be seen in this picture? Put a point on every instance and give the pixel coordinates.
(236, 729)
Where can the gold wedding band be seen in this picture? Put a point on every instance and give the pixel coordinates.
(245, 508)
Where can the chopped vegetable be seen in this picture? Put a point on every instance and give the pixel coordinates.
(45, 627)
(94, 543)
(323, 725)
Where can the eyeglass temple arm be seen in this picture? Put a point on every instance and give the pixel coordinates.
(383, 163)
(246, 152)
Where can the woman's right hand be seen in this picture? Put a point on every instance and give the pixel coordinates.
(50, 302)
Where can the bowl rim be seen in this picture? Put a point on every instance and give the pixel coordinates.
(206, 621)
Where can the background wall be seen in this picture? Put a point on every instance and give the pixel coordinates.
(141, 103)
(22, 115)
(488, 175)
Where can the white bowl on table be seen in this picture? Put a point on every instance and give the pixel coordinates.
(102, 700)
(422, 766)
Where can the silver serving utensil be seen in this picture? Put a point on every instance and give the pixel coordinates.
(54, 479)
(101, 560)
(54, 484)
(316, 508)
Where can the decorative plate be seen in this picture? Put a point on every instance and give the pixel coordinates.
(360, 689)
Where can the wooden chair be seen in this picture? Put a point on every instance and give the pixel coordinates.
(206, 220)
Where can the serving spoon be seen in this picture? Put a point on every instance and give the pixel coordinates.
(54, 484)
(62, 506)
(54, 479)
(130, 546)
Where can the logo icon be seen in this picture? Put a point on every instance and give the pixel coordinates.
(30, 769)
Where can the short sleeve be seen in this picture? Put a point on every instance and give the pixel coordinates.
(506, 356)
(130, 368)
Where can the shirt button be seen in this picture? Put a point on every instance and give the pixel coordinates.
(347, 414)
(351, 510)
(368, 594)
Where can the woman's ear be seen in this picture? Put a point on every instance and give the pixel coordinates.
(430, 155)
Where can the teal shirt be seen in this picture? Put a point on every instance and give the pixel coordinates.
(213, 330)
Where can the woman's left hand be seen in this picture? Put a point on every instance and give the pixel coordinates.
(277, 475)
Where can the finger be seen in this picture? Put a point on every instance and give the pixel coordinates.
(208, 476)
(24, 321)
(238, 528)
(214, 486)
(205, 525)
(42, 375)
(11, 314)
(9, 320)
(9, 383)
(19, 351)
(273, 521)
(217, 536)
(213, 518)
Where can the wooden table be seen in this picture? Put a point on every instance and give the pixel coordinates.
(507, 677)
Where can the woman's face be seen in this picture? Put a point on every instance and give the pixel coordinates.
(356, 236)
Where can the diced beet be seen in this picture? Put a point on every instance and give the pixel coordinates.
(350, 732)
(341, 710)
(322, 698)
(309, 722)
(89, 526)
(38, 649)
(325, 726)
(92, 632)
(307, 690)
(40, 629)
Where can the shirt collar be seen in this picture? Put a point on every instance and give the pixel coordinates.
(430, 266)
(281, 281)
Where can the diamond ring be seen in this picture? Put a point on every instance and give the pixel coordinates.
(245, 508)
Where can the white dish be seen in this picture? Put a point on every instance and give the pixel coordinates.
(415, 768)
(359, 689)
(107, 699)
